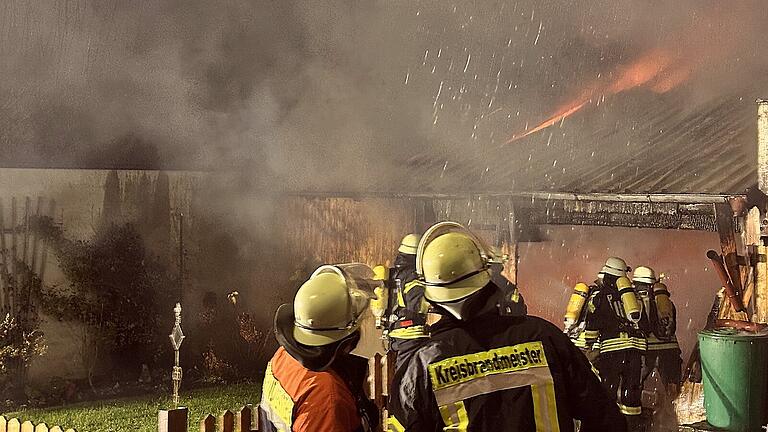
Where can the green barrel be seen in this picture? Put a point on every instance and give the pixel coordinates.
(734, 366)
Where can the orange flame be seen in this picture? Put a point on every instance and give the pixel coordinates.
(658, 69)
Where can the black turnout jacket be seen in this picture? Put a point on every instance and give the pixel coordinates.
(499, 373)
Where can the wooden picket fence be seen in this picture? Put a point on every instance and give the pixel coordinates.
(15, 425)
(175, 420)
(228, 421)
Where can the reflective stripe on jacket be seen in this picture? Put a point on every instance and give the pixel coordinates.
(495, 373)
(297, 399)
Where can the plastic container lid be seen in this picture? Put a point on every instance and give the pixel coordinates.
(733, 334)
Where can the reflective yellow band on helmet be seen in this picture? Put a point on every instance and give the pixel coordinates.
(630, 410)
(394, 425)
(455, 417)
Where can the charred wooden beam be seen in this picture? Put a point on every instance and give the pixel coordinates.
(762, 145)
(535, 196)
(622, 214)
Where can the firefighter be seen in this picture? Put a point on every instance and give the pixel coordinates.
(408, 323)
(574, 323)
(484, 370)
(313, 383)
(613, 320)
(514, 303)
(660, 316)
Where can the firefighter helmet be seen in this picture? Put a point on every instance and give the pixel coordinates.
(644, 275)
(328, 307)
(409, 244)
(615, 266)
(452, 263)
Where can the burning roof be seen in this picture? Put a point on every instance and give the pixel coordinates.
(650, 143)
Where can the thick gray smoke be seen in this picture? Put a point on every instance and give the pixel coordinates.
(336, 94)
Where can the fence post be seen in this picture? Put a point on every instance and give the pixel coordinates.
(14, 425)
(208, 424)
(174, 420)
(378, 393)
(226, 422)
(243, 419)
(3, 424)
(27, 426)
(42, 427)
(56, 429)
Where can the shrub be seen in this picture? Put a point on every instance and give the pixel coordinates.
(17, 349)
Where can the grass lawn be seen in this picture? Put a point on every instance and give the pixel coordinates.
(140, 413)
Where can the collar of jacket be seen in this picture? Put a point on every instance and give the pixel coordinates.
(480, 306)
(314, 358)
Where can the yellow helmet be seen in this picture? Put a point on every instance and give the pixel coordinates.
(409, 244)
(452, 262)
(645, 275)
(615, 266)
(328, 306)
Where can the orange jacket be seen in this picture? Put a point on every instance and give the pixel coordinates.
(316, 401)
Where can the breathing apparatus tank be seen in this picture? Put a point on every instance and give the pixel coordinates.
(665, 310)
(379, 304)
(576, 305)
(632, 307)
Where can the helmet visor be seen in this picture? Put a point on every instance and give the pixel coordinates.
(361, 283)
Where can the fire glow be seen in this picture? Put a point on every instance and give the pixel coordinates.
(658, 70)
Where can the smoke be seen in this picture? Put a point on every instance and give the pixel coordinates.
(332, 96)
(549, 270)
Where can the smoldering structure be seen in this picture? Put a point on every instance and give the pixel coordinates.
(325, 133)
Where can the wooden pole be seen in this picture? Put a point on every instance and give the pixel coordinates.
(174, 420)
(761, 286)
(14, 236)
(36, 236)
(762, 145)
(44, 254)
(14, 257)
(3, 263)
(726, 228)
(27, 211)
(513, 243)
